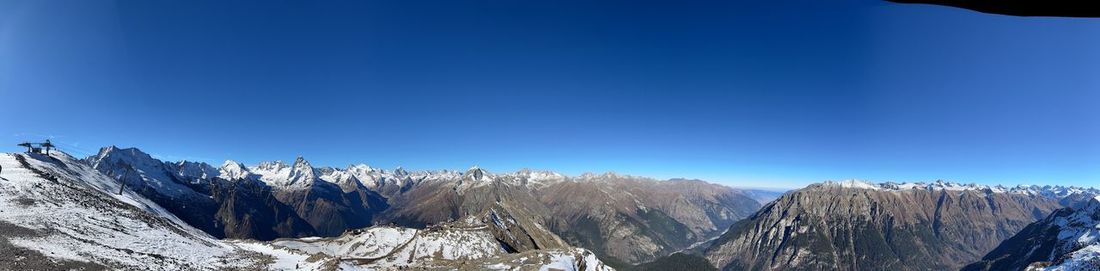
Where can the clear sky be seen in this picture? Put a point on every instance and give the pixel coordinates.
(751, 93)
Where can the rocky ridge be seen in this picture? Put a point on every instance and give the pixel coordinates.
(853, 225)
(1067, 240)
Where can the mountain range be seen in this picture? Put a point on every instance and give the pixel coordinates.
(624, 219)
(853, 225)
(1068, 239)
(124, 209)
(60, 213)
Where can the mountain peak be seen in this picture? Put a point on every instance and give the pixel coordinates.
(360, 169)
(278, 174)
(853, 184)
(539, 175)
(1093, 206)
(271, 165)
(400, 171)
(301, 162)
(132, 156)
(232, 164)
(233, 170)
(194, 171)
(476, 173)
(115, 150)
(302, 173)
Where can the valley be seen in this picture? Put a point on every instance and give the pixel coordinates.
(124, 209)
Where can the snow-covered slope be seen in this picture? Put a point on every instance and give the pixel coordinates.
(467, 244)
(135, 168)
(1067, 240)
(60, 208)
(1079, 239)
(233, 170)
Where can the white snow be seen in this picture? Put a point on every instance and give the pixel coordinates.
(853, 184)
(90, 221)
(1079, 238)
(151, 171)
(368, 243)
(233, 170)
(560, 262)
(79, 219)
(1055, 192)
(1084, 259)
(284, 259)
(279, 175)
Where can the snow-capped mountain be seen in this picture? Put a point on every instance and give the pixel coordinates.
(636, 219)
(477, 219)
(178, 187)
(643, 219)
(233, 170)
(300, 175)
(1067, 240)
(268, 201)
(137, 168)
(1072, 194)
(58, 213)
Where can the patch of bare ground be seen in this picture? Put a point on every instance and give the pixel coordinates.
(17, 258)
(258, 261)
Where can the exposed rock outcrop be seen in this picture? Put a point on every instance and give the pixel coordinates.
(859, 226)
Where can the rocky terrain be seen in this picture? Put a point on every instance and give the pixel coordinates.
(1068, 239)
(472, 243)
(106, 213)
(57, 212)
(60, 214)
(854, 225)
(637, 219)
(237, 203)
(624, 219)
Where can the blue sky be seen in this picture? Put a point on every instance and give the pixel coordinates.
(776, 94)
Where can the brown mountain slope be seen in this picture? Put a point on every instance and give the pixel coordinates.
(842, 227)
(622, 218)
(634, 219)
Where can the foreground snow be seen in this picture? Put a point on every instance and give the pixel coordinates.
(69, 216)
(464, 245)
(1078, 239)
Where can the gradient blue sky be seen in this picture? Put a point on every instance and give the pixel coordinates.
(774, 93)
